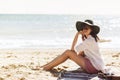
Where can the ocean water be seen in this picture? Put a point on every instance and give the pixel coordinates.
(53, 31)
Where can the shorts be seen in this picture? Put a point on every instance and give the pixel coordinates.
(89, 68)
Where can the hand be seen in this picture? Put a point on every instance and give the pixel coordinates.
(81, 54)
(80, 32)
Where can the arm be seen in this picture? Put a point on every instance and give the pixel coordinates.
(75, 40)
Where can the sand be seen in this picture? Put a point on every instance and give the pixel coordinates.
(16, 64)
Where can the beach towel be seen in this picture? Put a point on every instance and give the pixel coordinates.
(104, 76)
(75, 75)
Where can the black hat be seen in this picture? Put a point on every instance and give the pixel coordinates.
(80, 25)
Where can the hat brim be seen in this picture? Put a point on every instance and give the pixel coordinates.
(80, 26)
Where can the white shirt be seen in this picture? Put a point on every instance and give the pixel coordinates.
(91, 50)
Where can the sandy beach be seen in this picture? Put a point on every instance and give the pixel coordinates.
(16, 64)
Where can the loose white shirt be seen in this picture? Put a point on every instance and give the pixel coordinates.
(91, 50)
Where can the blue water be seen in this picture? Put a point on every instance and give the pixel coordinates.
(52, 31)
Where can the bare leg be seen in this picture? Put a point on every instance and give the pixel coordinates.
(60, 59)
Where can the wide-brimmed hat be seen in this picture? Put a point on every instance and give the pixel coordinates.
(80, 26)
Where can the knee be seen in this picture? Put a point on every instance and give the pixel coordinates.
(67, 52)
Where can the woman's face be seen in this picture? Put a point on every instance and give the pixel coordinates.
(86, 30)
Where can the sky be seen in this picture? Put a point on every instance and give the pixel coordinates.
(93, 7)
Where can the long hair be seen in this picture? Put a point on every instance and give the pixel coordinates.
(94, 35)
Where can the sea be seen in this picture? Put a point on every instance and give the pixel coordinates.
(53, 30)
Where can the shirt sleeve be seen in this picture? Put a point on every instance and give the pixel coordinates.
(81, 47)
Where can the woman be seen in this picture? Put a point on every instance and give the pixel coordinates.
(85, 54)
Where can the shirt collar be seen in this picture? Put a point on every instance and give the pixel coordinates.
(89, 36)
